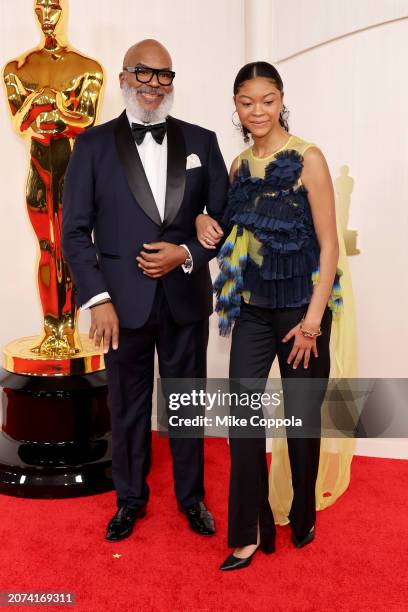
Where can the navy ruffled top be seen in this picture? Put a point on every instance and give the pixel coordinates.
(279, 273)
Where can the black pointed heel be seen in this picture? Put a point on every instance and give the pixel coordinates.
(234, 563)
(306, 540)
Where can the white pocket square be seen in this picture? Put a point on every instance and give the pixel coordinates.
(193, 161)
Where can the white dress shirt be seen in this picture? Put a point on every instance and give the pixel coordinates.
(154, 160)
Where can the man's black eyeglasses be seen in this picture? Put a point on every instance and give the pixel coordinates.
(144, 74)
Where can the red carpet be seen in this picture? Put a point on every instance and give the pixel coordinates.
(357, 562)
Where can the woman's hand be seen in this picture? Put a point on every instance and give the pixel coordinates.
(301, 347)
(209, 232)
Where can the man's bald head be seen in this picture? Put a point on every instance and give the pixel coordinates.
(148, 52)
(147, 100)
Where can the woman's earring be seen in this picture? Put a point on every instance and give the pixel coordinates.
(237, 124)
(240, 127)
(283, 117)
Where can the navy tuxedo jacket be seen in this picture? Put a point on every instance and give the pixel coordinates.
(106, 191)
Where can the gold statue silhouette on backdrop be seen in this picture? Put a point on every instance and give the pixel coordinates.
(344, 185)
(53, 93)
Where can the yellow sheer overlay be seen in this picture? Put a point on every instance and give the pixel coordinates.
(336, 454)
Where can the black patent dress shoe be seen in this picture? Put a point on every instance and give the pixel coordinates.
(306, 540)
(200, 519)
(121, 525)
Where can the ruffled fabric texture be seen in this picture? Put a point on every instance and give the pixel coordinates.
(230, 281)
(285, 268)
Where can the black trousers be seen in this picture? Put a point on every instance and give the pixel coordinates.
(256, 341)
(130, 375)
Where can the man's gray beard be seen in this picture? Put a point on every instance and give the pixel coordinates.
(135, 109)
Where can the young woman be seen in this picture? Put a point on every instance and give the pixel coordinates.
(278, 287)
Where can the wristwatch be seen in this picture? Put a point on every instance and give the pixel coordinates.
(188, 262)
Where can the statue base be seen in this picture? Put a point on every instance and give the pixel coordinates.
(19, 358)
(55, 438)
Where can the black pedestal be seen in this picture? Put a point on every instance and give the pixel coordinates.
(55, 438)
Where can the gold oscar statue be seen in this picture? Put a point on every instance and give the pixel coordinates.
(344, 185)
(53, 93)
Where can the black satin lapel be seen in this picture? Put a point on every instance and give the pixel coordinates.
(135, 174)
(176, 170)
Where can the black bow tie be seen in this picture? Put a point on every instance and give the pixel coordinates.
(139, 131)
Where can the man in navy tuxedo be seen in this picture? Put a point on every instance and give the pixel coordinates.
(139, 182)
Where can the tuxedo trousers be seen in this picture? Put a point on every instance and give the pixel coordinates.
(256, 341)
(181, 351)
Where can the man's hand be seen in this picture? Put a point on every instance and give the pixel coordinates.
(209, 232)
(168, 257)
(104, 326)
